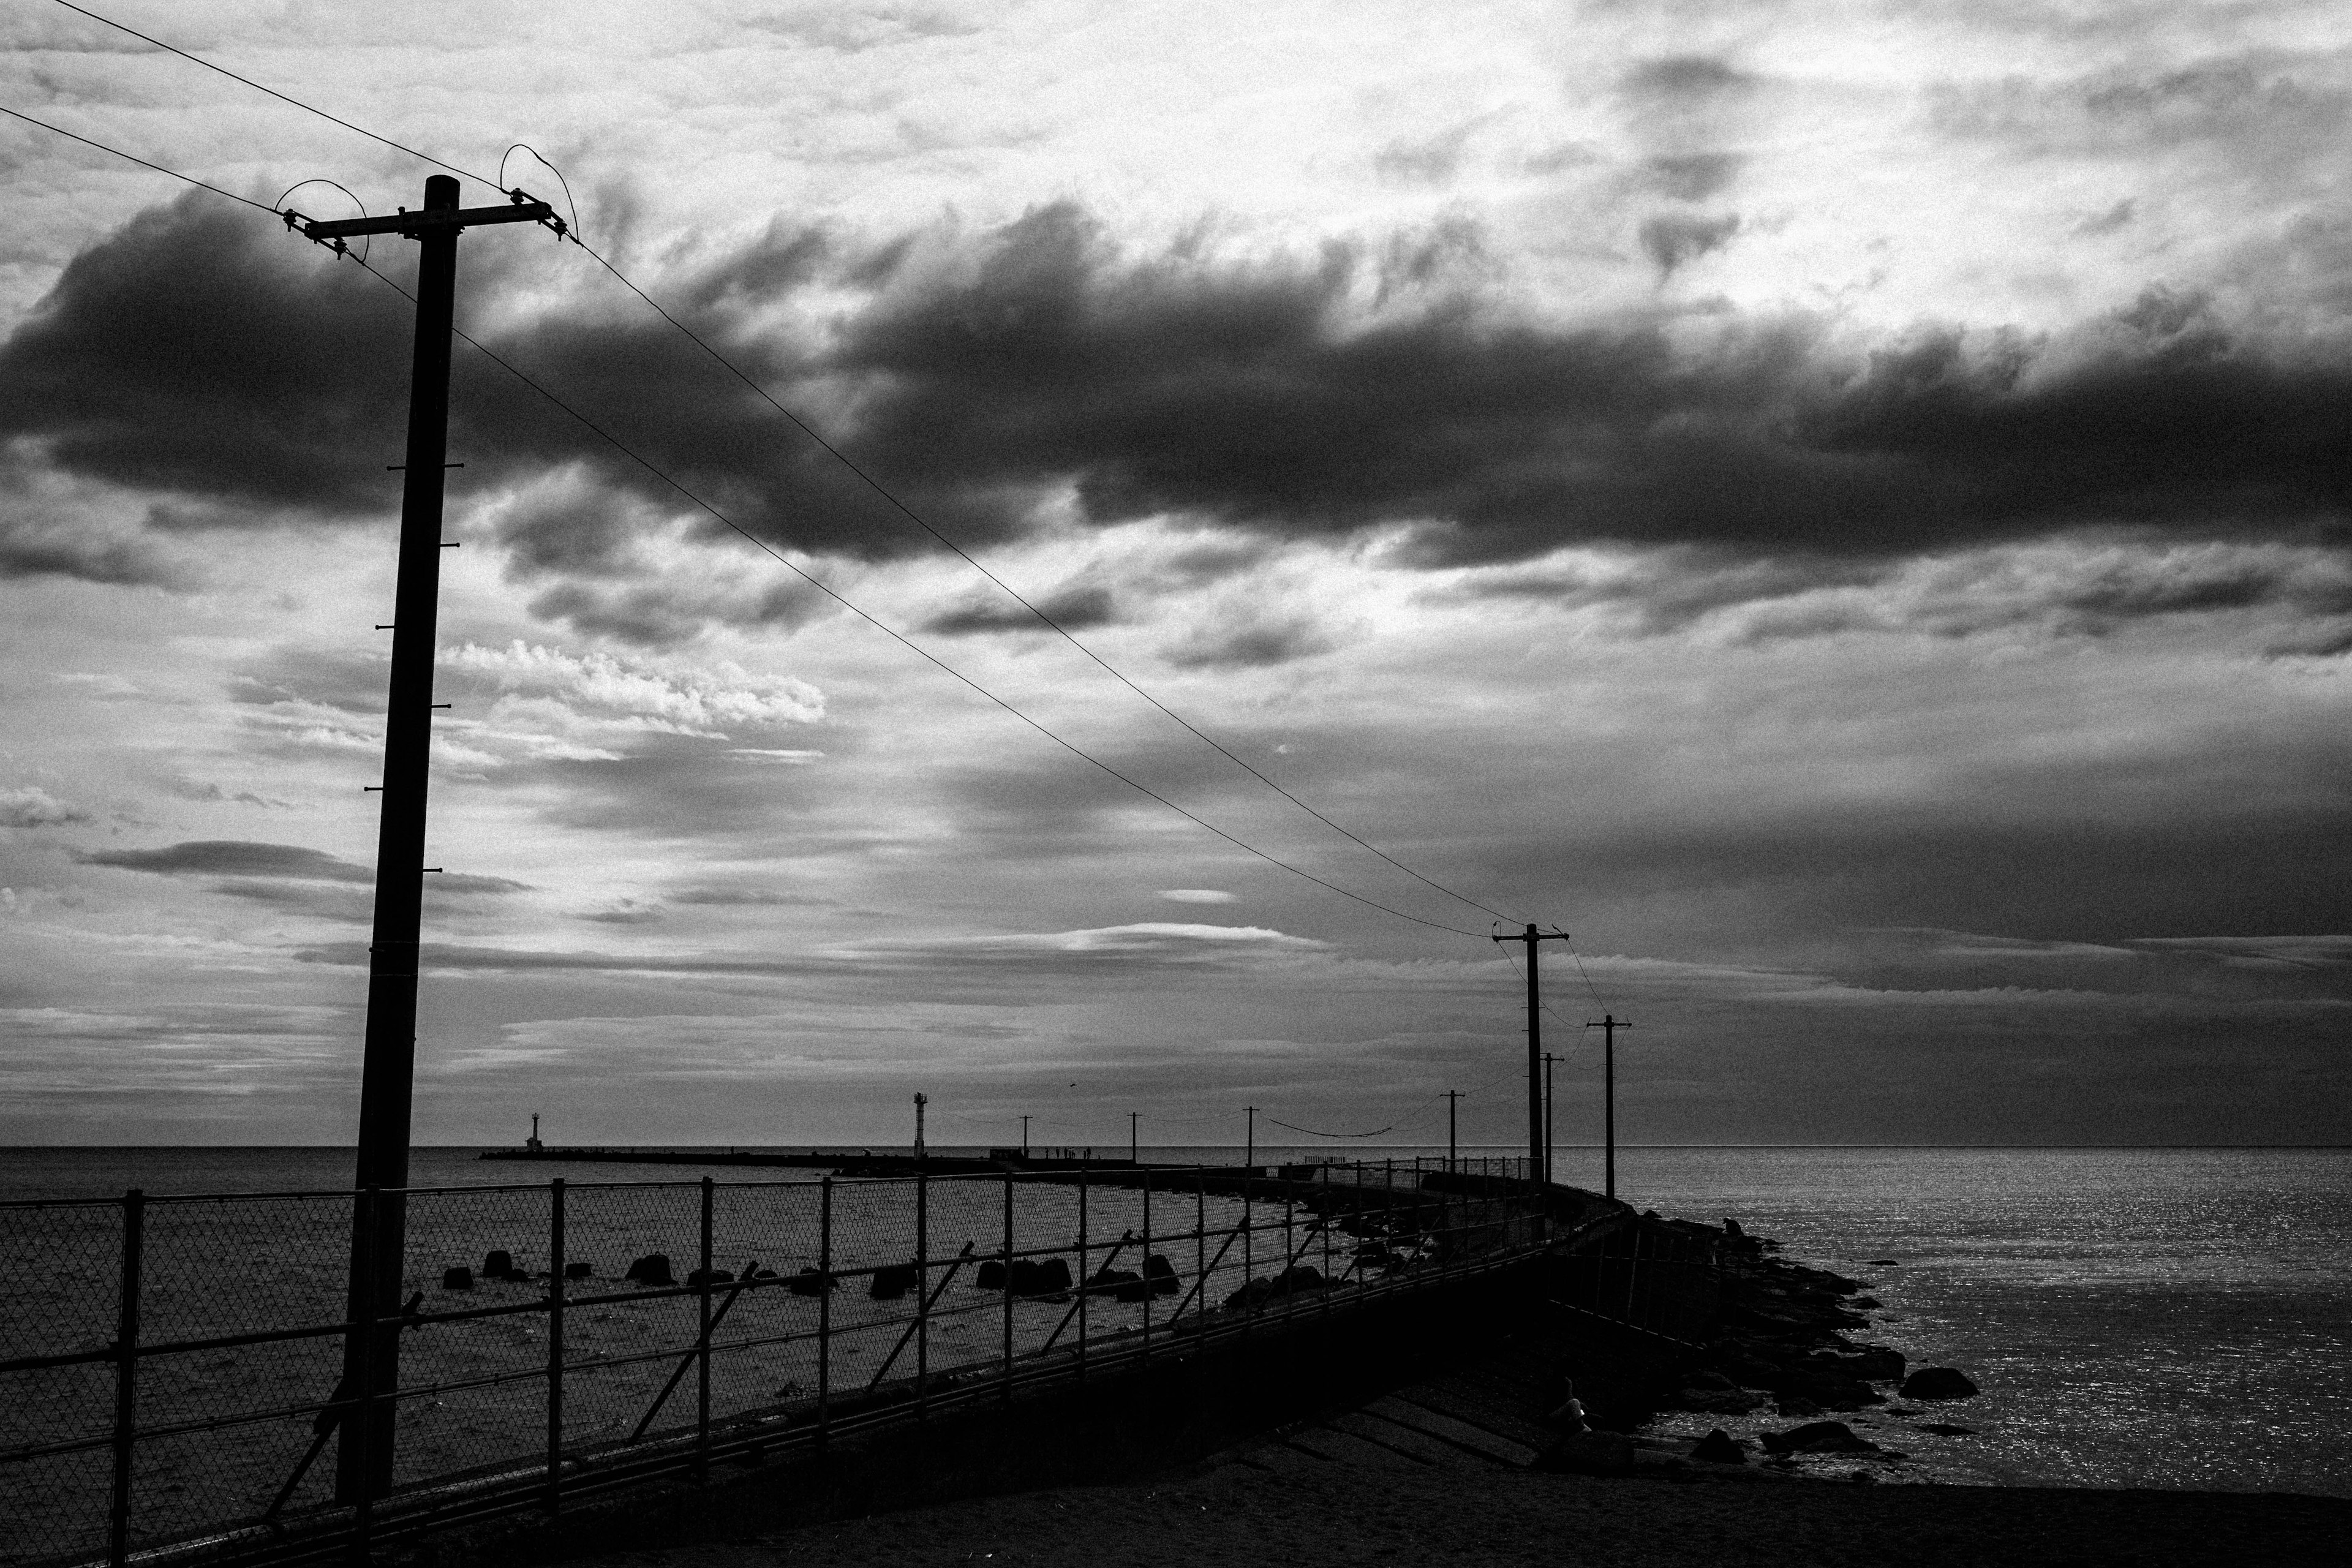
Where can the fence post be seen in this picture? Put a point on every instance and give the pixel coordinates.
(702, 1348)
(825, 1311)
(1005, 1389)
(1146, 1264)
(922, 1293)
(360, 1423)
(126, 1374)
(1083, 1281)
(556, 1345)
(1201, 1241)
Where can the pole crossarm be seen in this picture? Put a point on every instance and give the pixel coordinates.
(431, 219)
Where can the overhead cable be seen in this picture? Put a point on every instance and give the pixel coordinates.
(119, 152)
(805, 428)
(900, 637)
(282, 97)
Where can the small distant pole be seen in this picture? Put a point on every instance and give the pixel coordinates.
(1453, 1145)
(1249, 1150)
(1608, 1026)
(920, 1102)
(1025, 1137)
(1134, 1148)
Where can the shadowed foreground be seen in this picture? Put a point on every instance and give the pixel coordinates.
(1341, 1513)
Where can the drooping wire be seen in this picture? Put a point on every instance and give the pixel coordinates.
(369, 240)
(282, 97)
(1312, 1132)
(820, 585)
(840, 457)
(573, 232)
(119, 152)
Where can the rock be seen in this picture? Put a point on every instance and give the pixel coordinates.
(763, 1274)
(1817, 1438)
(497, 1265)
(1938, 1383)
(1867, 1303)
(1701, 1377)
(1119, 1282)
(1719, 1401)
(1796, 1405)
(1717, 1447)
(1884, 1263)
(1290, 1282)
(652, 1270)
(1256, 1294)
(580, 1272)
(1731, 1228)
(1875, 1364)
(892, 1281)
(812, 1281)
(709, 1277)
(1053, 1274)
(1588, 1454)
(990, 1276)
(458, 1279)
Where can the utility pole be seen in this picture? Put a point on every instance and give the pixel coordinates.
(1536, 1145)
(1134, 1153)
(920, 1103)
(1249, 1152)
(1549, 1060)
(1608, 1026)
(1025, 1137)
(1453, 1103)
(364, 1463)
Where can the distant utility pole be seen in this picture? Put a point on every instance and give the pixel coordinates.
(1452, 1104)
(1025, 1137)
(1134, 1149)
(1536, 1146)
(364, 1463)
(920, 1103)
(1549, 1060)
(1608, 1026)
(1249, 1151)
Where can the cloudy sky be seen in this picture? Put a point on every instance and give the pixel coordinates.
(1843, 506)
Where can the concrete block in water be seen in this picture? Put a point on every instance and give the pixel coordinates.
(652, 1270)
(1938, 1383)
(892, 1281)
(1159, 1276)
(498, 1265)
(812, 1282)
(457, 1278)
(991, 1275)
(579, 1271)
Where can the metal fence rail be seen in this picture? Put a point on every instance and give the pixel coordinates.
(172, 1368)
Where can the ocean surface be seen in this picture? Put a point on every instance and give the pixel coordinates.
(2177, 1318)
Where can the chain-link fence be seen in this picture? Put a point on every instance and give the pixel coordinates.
(185, 1370)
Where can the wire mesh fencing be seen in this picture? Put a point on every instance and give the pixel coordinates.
(183, 1371)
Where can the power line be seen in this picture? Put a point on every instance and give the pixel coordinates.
(197, 60)
(805, 428)
(119, 152)
(764, 548)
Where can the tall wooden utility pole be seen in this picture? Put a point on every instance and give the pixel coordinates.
(920, 1103)
(388, 1065)
(1134, 1149)
(1608, 1026)
(1453, 1147)
(1536, 1145)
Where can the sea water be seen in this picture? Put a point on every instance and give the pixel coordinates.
(2134, 1317)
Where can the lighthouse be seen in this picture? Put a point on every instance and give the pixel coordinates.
(532, 1143)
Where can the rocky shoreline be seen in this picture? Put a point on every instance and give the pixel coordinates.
(1778, 1361)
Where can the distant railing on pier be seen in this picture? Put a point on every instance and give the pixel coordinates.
(169, 1382)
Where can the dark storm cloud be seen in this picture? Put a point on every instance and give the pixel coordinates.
(1675, 239)
(273, 863)
(200, 354)
(233, 858)
(1075, 607)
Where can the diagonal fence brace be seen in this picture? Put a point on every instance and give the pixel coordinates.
(929, 1302)
(701, 1344)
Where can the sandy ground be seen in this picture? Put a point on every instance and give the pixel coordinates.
(1238, 1514)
